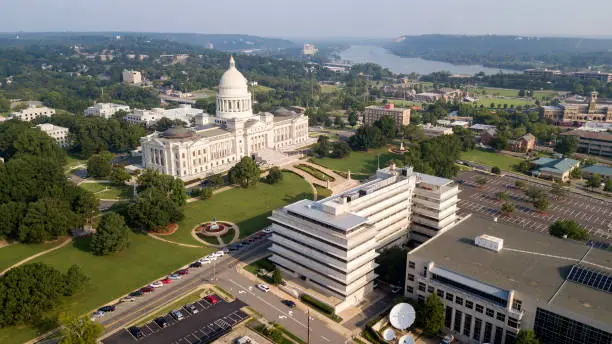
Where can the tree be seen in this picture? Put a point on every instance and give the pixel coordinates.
(338, 122)
(541, 203)
(340, 149)
(387, 127)
(521, 93)
(277, 277)
(322, 147)
(568, 228)
(526, 337)
(74, 279)
(566, 145)
(216, 180)
(119, 175)
(608, 185)
(75, 330)
(274, 175)
(352, 118)
(366, 137)
(534, 193)
(558, 190)
(245, 173)
(507, 208)
(111, 235)
(524, 166)
(99, 165)
(502, 196)
(154, 210)
(206, 193)
(432, 316)
(576, 173)
(519, 184)
(174, 188)
(481, 181)
(391, 264)
(495, 170)
(46, 219)
(594, 181)
(327, 122)
(165, 123)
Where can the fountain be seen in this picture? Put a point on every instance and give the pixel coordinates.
(214, 228)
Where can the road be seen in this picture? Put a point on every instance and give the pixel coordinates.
(267, 304)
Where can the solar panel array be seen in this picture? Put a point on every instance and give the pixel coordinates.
(591, 277)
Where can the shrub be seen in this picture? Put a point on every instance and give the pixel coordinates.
(495, 170)
(317, 304)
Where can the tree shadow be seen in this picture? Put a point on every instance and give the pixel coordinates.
(82, 243)
(294, 198)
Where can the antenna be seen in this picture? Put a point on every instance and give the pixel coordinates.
(402, 316)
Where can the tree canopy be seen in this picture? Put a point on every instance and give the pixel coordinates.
(569, 228)
(274, 175)
(154, 210)
(526, 337)
(432, 315)
(566, 145)
(172, 187)
(111, 235)
(75, 330)
(99, 165)
(245, 173)
(436, 156)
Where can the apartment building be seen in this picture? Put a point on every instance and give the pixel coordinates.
(31, 113)
(132, 77)
(542, 73)
(105, 110)
(558, 288)
(592, 142)
(60, 134)
(372, 113)
(434, 131)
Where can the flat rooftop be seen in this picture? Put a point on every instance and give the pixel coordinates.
(310, 209)
(530, 262)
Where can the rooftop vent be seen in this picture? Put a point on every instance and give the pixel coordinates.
(489, 242)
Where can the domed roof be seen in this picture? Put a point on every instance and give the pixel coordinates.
(232, 79)
(177, 133)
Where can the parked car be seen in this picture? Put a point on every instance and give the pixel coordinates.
(192, 308)
(162, 322)
(147, 289)
(106, 309)
(244, 243)
(212, 257)
(166, 280)
(212, 299)
(234, 247)
(183, 272)
(97, 315)
(263, 287)
(225, 249)
(395, 289)
(156, 284)
(195, 265)
(288, 303)
(174, 276)
(448, 339)
(136, 293)
(135, 331)
(219, 253)
(260, 234)
(176, 314)
(267, 230)
(129, 298)
(204, 259)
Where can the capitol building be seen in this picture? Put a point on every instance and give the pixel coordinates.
(216, 143)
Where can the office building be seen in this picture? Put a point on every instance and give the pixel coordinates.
(542, 73)
(309, 49)
(60, 134)
(32, 112)
(132, 77)
(373, 113)
(105, 110)
(592, 75)
(578, 112)
(518, 280)
(184, 112)
(434, 207)
(433, 131)
(593, 142)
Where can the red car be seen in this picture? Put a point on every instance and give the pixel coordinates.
(212, 299)
(183, 272)
(147, 289)
(166, 280)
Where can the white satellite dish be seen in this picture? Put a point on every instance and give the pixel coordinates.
(407, 339)
(389, 334)
(402, 316)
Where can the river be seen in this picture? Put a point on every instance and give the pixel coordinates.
(397, 64)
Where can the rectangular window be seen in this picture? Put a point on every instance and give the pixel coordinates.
(517, 304)
(421, 286)
(479, 308)
(411, 265)
(409, 289)
(459, 300)
(448, 317)
(467, 325)
(411, 277)
(449, 296)
(421, 298)
(500, 316)
(457, 326)
(513, 322)
(510, 337)
(430, 289)
(490, 313)
(469, 304)
(487, 332)
(499, 334)
(477, 328)
(440, 293)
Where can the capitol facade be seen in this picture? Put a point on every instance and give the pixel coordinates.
(216, 143)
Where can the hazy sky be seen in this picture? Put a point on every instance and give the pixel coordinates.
(313, 18)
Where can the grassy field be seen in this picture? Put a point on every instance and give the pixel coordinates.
(14, 253)
(359, 162)
(108, 191)
(72, 162)
(145, 260)
(248, 208)
(329, 88)
(322, 192)
(491, 159)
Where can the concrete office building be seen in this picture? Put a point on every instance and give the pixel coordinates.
(434, 207)
(132, 77)
(434, 131)
(105, 110)
(558, 288)
(60, 134)
(31, 113)
(373, 113)
(183, 113)
(592, 142)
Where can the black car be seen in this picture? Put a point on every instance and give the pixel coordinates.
(107, 309)
(195, 265)
(234, 247)
(288, 303)
(135, 331)
(162, 322)
(191, 308)
(136, 293)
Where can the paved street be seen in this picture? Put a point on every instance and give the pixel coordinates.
(593, 214)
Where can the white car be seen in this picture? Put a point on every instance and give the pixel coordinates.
(157, 284)
(97, 315)
(205, 261)
(267, 230)
(175, 276)
(263, 288)
(219, 253)
(212, 257)
(128, 299)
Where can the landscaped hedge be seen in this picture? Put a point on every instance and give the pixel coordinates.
(325, 308)
(320, 175)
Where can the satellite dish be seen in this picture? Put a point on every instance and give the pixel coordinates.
(402, 316)
(407, 339)
(389, 334)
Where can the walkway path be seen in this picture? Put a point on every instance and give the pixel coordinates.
(340, 183)
(172, 242)
(23, 261)
(236, 236)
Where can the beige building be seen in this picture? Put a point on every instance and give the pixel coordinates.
(572, 112)
(433, 131)
(591, 142)
(105, 110)
(132, 77)
(32, 113)
(60, 134)
(309, 49)
(372, 113)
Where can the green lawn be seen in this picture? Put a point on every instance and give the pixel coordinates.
(491, 159)
(359, 162)
(322, 192)
(320, 175)
(14, 253)
(72, 162)
(329, 88)
(227, 237)
(248, 208)
(145, 260)
(111, 192)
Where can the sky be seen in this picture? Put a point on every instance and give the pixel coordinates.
(313, 18)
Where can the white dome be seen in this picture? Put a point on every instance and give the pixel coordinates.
(232, 81)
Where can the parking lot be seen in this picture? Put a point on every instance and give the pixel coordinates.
(593, 214)
(204, 325)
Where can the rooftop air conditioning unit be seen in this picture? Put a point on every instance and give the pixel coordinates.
(489, 242)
